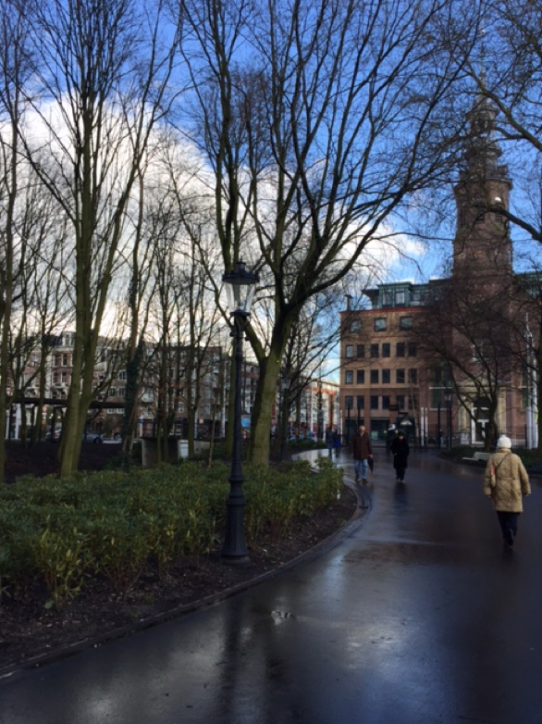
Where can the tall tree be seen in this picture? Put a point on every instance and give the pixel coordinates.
(99, 87)
(15, 73)
(318, 120)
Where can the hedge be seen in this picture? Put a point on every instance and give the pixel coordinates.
(117, 524)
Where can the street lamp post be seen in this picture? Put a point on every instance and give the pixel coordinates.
(240, 285)
(284, 414)
(448, 400)
(438, 425)
(348, 408)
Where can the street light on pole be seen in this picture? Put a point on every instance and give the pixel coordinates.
(448, 400)
(240, 285)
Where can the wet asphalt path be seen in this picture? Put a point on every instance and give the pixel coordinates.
(416, 617)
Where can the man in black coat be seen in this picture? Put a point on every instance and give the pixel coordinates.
(400, 450)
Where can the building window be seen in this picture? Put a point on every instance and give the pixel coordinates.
(374, 351)
(380, 324)
(412, 402)
(349, 377)
(349, 351)
(360, 402)
(387, 298)
(386, 377)
(412, 349)
(361, 351)
(386, 402)
(400, 349)
(360, 377)
(122, 375)
(405, 323)
(349, 402)
(400, 298)
(374, 402)
(401, 402)
(355, 326)
(374, 377)
(413, 376)
(400, 377)
(386, 349)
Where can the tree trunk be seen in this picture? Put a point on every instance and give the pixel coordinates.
(263, 405)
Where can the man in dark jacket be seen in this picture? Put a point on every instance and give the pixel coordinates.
(400, 450)
(361, 449)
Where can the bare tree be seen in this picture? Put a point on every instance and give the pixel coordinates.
(467, 336)
(100, 85)
(318, 121)
(15, 72)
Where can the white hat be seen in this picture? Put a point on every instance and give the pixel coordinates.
(391, 427)
(504, 442)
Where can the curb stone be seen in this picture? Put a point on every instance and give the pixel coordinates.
(363, 504)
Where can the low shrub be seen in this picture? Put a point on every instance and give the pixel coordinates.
(116, 524)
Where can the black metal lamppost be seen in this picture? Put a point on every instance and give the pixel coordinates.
(240, 285)
(438, 425)
(348, 408)
(448, 400)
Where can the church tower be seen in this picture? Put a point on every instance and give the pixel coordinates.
(482, 242)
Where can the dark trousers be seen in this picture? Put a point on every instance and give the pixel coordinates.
(400, 471)
(508, 521)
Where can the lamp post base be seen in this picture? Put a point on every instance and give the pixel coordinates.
(235, 549)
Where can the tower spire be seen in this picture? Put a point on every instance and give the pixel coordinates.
(482, 239)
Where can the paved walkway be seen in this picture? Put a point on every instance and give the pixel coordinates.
(417, 616)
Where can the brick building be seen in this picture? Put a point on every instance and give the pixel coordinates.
(446, 360)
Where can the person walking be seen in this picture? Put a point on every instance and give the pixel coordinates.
(400, 450)
(505, 481)
(361, 449)
(329, 440)
(390, 437)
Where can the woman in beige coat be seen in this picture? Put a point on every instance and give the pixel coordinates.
(505, 481)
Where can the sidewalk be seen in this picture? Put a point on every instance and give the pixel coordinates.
(416, 615)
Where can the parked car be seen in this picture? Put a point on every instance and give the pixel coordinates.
(92, 437)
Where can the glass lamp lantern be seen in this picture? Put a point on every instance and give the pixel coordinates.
(240, 285)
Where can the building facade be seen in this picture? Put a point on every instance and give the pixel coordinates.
(446, 360)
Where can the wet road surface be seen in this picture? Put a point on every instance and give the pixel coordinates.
(417, 616)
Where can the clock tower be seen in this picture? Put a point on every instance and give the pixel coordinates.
(482, 244)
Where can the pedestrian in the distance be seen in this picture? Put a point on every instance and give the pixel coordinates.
(390, 437)
(329, 440)
(400, 450)
(361, 449)
(505, 482)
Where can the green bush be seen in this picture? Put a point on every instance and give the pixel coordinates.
(118, 523)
